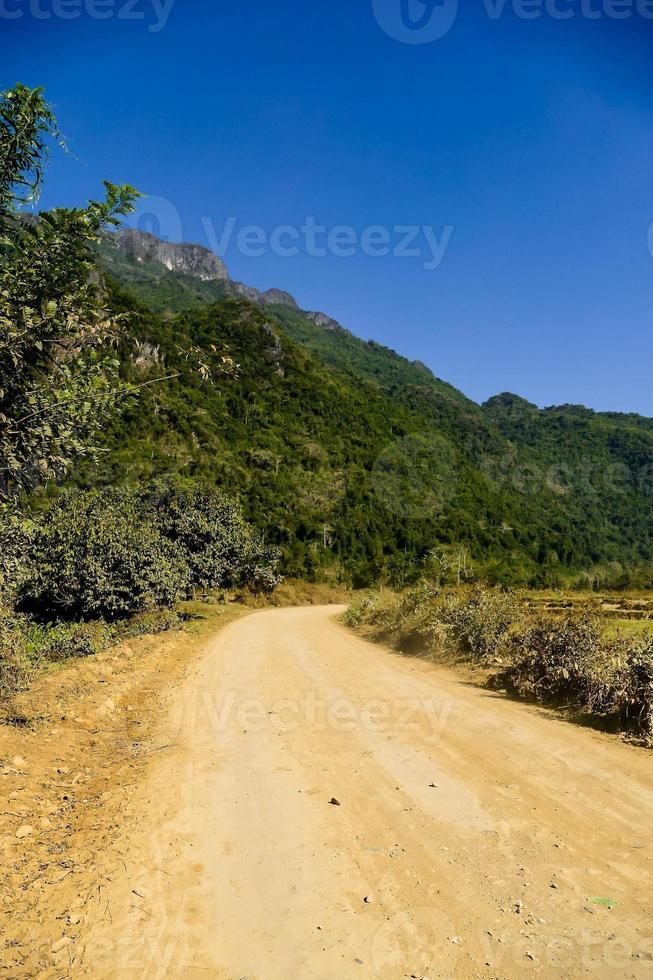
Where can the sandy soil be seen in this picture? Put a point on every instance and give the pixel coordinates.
(474, 836)
(66, 781)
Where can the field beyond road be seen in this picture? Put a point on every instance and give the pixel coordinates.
(316, 806)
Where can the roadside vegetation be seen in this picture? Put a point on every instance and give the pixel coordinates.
(99, 566)
(563, 659)
(82, 568)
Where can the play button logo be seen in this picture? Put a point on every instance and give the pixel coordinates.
(415, 21)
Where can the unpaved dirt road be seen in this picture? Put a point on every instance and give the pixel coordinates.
(476, 837)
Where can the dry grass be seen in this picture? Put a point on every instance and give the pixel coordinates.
(569, 654)
(295, 592)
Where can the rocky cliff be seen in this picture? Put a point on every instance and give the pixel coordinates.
(195, 260)
(322, 320)
(192, 260)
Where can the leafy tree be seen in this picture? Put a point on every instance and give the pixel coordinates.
(58, 374)
(114, 552)
(208, 528)
(99, 554)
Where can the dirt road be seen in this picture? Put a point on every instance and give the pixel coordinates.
(475, 837)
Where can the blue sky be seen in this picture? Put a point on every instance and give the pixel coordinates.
(530, 140)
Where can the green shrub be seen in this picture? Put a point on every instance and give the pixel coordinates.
(95, 554)
(476, 622)
(13, 676)
(360, 609)
(13, 665)
(380, 610)
(220, 548)
(59, 642)
(14, 545)
(65, 641)
(154, 621)
(418, 620)
(480, 622)
(259, 571)
(116, 552)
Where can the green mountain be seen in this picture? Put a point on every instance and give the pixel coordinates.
(358, 462)
(171, 279)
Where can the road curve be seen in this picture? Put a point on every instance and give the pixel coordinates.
(320, 807)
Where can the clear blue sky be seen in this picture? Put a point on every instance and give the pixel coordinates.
(533, 139)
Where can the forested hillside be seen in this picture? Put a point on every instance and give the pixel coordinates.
(130, 260)
(361, 464)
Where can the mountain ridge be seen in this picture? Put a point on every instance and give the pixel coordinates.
(186, 264)
(361, 464)
(191, 259)
(132, 260)
(359, 473)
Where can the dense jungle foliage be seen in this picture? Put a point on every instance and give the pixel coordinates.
(359, 464)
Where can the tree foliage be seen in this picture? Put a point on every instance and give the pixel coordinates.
(90, 554)
(58, 373)
(208, 527)
(115, 552)
(94, 554)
